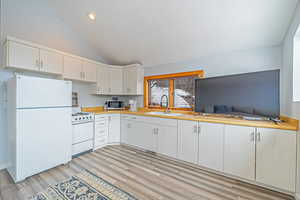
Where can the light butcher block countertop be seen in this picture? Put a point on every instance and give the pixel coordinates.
(288, 124)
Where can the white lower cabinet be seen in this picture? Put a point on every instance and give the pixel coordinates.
(152, 134)
(125, 125)
(107, 130)
(141, 134)
(100, 131)
(188, 141)
(262, 155)
(276, 158)
(201, 143)
(114, 122)
(167, 139)
(239, 151)
(211, 139)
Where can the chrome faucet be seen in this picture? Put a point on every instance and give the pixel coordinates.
(161, 102)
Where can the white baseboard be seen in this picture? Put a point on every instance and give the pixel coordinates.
(297, 196)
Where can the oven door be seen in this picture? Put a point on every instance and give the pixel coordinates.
(83, 132)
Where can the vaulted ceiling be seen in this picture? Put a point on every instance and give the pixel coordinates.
(156, 32)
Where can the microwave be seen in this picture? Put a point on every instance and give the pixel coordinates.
(114, 105)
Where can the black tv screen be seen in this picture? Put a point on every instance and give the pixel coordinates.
(254, 94)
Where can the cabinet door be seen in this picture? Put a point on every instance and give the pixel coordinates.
(211, 138)
(141, 134)
(125, 126)
(167, 140)
(72, 68)
(23, 56)
(133, 83)
(103, 80)
(116, 81)
(239, 151)
(51, 62)
(130, 80)
(82, 132)
(276, 158)
(114, 129)
(140, 81)
(90, 72)
(188, 141)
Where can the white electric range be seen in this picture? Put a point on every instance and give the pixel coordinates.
(83, 133)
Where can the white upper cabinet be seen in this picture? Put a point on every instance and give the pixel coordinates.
(239, 151)
(133, 80)
(211, 138)
(25, 55)
(22, 56)
(116, 81)
(109, 80)
(188, 141)
(276, 158)
(89, 71)
(73, 68)
(103, 80)
(51, 62)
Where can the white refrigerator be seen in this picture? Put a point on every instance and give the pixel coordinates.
(39, 124)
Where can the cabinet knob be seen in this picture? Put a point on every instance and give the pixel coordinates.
(252, 137)
(258, 137)
(37, 63)
(196, 129)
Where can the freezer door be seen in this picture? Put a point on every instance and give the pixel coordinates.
(44, 140)
(33, 92)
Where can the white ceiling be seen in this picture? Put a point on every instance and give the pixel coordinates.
(156, 32)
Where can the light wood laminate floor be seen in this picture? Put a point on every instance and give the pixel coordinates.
(144, 175)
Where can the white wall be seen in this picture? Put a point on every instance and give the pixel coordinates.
(225, 64)
(291, 108)
(35, 21)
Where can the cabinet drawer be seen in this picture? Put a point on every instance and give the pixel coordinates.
(82, 147)
(101, 141)
(152, 120)
(101, 124)
(102, 131)
(101, 118)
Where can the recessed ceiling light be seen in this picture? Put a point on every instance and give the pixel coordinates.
(92, 16)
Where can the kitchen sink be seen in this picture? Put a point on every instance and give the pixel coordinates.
(164, 113)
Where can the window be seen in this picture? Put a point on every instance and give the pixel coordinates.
(158, 88)
(175, 90)
(184, 92)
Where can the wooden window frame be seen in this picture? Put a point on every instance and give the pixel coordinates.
(170, 77)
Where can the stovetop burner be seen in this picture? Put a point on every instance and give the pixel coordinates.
(80, 114)
(82, 117)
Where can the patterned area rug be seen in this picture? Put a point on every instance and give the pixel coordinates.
(84, 186)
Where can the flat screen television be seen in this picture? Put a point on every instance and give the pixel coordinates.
(251, 94)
